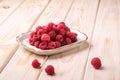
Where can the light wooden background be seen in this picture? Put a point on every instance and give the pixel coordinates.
(99, 19)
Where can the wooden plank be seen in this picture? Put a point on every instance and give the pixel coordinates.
(7, 8)
(21, 21)
(21, 61)
(106, 42)
(70, 65)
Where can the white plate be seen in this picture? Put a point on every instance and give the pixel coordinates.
(23, 40)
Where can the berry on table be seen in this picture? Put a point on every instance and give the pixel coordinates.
(36, 63)
(50, 70)
(96, 62)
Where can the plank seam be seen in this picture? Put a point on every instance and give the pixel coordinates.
(12, 12)
(99, 1)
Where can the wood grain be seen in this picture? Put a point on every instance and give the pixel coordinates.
(21, 61)
(20, 21)
(70, 65)
(7, 7)
(106, 42)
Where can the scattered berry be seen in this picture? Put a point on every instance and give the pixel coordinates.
(50, 70)
(36, 63)
(96, 62)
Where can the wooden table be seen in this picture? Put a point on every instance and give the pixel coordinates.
(99, 19)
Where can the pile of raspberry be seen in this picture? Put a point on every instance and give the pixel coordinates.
(52, 36)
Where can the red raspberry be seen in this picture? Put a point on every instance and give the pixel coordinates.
(96, 62)
(36, 63)
(31, 41)
(52, 34)
(67, 28)
(45, 38)
(32, 34)
(43, 45)
(59, 38)
(51, 45)
(62, 32)
(36, 44)
(49, 26)
(62, 23)
(56, 28)
(74, 39)
(35, 38)
(39, 27)
(50, 70)
(70, 34)
(58, 44)
(40, 31)
(68, 41)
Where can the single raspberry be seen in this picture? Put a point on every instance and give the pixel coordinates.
(58, 44)
(70, 34)
(96, 62)
(51, 45)
(45, 38)
(36, 44)
(67, 28)
(50, 70)
(43, 45)
(35, 38)
(62, 32)
(32, 34)
(36, 63)
(56, 27)
(40, 31)
(49, 26)
(62, 23)
(39, 27)
(68, 41)
(59, 38)
(31, 41)
(74, 39)
(52, 34)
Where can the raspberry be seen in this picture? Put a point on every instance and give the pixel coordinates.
(52, 34)
(62, 32)
(59, 38)
(35, 38)
(74, 39)
(45, 38)
(58, 44)
(68, 41)
(51, 45)
(32, 34)
(63, 43)
(36, 63)
(49, 26)
(43, 45)
(70, 34)
(31, 41)
(40, 31)
(56, 28)
(36, 44)
(50, 70)
(39, 27)
(96, 62)
(62, 23)
(67, 28)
